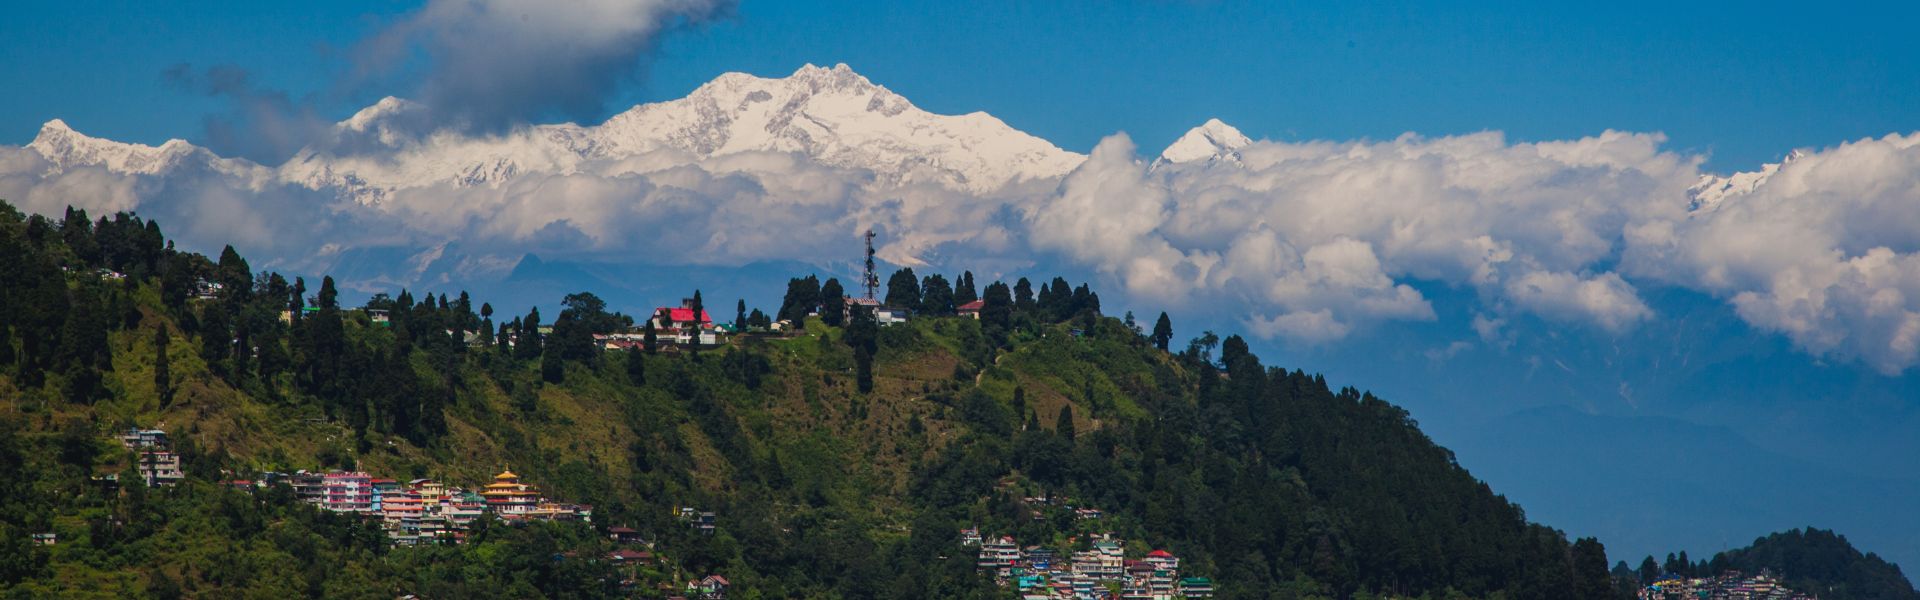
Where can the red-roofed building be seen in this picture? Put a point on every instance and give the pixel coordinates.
(711, 587)
(679, 316)
(972, 309)
(680, 325)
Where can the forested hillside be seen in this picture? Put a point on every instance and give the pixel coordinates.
(842, 459)
(1814, 561)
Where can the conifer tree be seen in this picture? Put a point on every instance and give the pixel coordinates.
(527, 346)
(963, 289)
(997, 309)
(833, 307)
(903, 289)
(1064, 424)
(1023, 295)
(1162, 332)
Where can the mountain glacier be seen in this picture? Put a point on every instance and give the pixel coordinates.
(830, 115)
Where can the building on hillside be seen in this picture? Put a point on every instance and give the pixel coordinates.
(1038, 557)
(206, 290)
(711, 587)
(625, 556)
(46, 539)
(1162, 560)
(684, 326)
(382, 488)
(144, 439)
(970, 536)
(972, 309)
(1196, 587)
(882, 314)
(308, 486)
(507, 496)
(625, 535)
(159, 468)
(999, 556)
(556, 511)
(1105, 562)
(430, 491)
(350, 491)
(402, 507)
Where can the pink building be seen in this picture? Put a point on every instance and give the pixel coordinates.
(347, 492)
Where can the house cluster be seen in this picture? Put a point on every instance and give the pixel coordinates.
(1102, 572)
(157, 464)
(421, 511)
(673, 326)
(1731, 585)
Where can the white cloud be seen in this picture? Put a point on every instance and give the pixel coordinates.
(1327, 236)
(492, 64)
(1605, 299)
(1311, 242)
(1824, 248)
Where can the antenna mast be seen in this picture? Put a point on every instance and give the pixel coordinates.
(871, 281)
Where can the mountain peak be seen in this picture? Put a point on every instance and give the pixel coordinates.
(1212, 140)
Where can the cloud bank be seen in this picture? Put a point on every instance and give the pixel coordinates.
(493, 64)
(1312, 242)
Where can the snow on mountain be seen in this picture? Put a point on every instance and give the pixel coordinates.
(1714, 189)
(66, 149)
(1210, 142)
(831, 115)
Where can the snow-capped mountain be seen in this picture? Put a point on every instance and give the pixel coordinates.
(1713, 189)
(833, 116)
(1211, 142)
(829, 115)
(66, 149)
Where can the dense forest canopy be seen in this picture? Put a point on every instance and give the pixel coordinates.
(842, 457)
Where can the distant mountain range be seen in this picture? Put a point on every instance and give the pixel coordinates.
(830, 115)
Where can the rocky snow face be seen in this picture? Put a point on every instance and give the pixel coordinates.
(1713, 189)
(1212, 141)
(833, 116)
(66, 149)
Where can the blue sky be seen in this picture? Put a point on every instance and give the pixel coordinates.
(1737, 84)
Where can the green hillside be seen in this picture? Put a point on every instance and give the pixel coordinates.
(842, 460)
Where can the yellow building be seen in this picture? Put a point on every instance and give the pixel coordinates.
(507, 496)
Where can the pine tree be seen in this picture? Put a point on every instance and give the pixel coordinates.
(964, 290)
(1590, 578)
(903, 289)
(740, 315)
(1162, 332)
(650, 338)
(1023, 295)
(527, 346)
(997, 309)
(235, 278)
(833, 307)
(936, 297)
(1064, 424)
